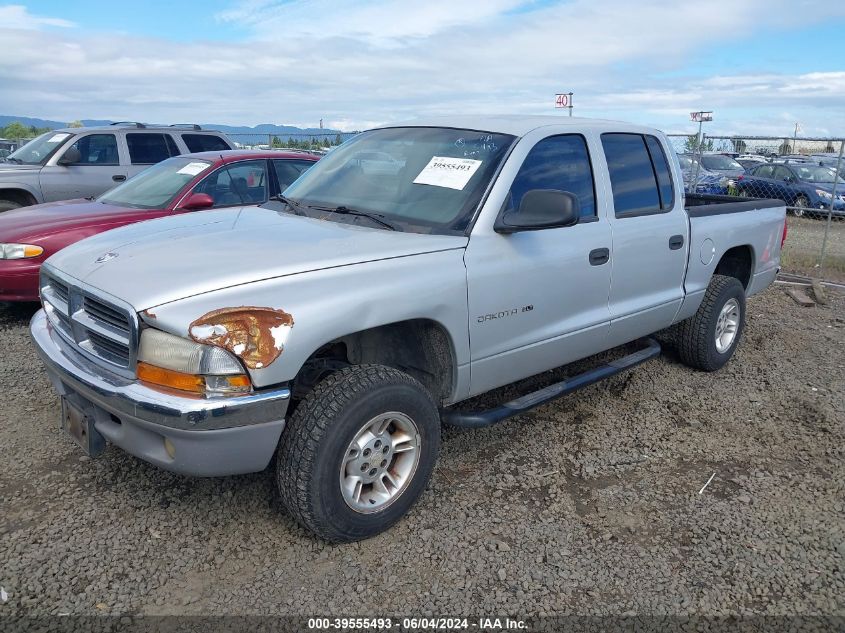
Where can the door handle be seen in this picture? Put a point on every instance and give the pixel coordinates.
(599, 256)
(118, 177)
(675, 242)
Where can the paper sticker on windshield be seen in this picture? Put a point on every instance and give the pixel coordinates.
(58, 138)
(192, 169)
(443, 171)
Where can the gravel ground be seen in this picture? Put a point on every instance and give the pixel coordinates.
(587, 505)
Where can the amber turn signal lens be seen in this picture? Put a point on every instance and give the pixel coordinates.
(207, 385)
(169, 378)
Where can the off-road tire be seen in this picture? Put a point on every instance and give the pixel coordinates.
(318, 434)
(695, 338)
(8, 205)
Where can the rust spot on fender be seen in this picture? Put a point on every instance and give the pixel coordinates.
(255, 335)
(149, 314)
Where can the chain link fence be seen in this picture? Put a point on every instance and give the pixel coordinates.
(807, 174)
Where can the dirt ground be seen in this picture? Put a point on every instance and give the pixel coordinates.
(590, 505)
(803, 248)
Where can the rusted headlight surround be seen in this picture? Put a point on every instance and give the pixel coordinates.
(171, 361)
(20, 251)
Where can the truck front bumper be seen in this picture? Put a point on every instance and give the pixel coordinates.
(204, 437)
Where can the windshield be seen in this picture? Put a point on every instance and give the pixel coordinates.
(38, 150)
(816, 174)
(718, 161)
(157, 186)
(424, 179)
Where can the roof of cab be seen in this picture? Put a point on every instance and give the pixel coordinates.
(519, 125)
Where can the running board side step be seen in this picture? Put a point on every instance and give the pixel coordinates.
(478, 419)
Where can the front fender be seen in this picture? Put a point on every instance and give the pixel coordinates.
(32, 190)
(325, 305)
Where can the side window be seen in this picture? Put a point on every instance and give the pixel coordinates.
(561, 163)
(289, 170)
(97, 149)
(782, 173)
(204, 143)
(661, 170)
(244, 182)
(632, 177)
(765, 171)
(147, 148)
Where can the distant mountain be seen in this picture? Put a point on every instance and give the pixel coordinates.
(263, 128)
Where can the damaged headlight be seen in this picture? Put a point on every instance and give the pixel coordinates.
(172, 361)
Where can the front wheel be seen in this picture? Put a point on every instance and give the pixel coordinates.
(8, 205)
(801, 204)
(709, 338)
(358, 452)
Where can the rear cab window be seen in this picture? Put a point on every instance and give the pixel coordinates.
(639, 174)
(204, 143)
(561, 163)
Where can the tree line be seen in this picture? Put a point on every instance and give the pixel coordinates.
(18, 130)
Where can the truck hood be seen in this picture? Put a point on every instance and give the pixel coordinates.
(53, 218)
(172, 258)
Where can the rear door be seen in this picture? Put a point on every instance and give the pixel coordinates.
(538, 299)
(650, 231)
(148, 148)
(98, 169)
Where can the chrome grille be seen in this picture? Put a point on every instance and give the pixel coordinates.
(104, 329)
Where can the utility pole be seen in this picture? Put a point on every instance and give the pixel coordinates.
(795, 138)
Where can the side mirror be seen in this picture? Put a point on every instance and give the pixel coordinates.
(541, 209)
(71, 157)
(198, 201)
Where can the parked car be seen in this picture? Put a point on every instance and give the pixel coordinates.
(722, 165)
(750, 163)
(83, 162)
(706, 181)
(802, 186)
(336, 327)
(205, 180)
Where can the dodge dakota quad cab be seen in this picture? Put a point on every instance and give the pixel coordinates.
(338, 325)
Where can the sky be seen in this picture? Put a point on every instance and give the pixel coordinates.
(759, 65)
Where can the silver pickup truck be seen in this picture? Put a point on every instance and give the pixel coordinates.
(414, 267)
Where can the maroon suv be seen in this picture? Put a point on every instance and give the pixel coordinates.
(183, 184)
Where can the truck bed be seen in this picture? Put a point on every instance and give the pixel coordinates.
(701, 204)
(749, 227)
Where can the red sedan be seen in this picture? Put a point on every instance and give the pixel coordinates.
(182, 184)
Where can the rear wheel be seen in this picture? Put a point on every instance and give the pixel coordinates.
(358, 452)
(709, 338)
(8, 205)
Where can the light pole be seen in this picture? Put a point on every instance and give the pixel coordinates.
(701, 116)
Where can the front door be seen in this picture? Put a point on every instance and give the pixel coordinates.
(97, 170)
(535, 299)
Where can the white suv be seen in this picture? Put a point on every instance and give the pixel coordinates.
(85, 162)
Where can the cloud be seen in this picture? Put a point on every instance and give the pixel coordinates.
(16, 16)
(355, 64)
